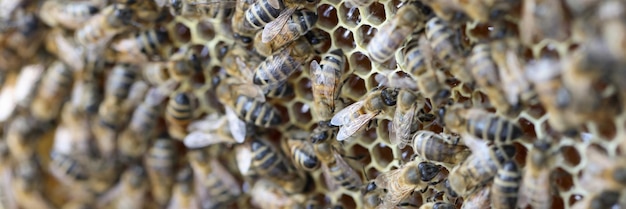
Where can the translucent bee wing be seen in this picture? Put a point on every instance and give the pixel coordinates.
(277, 64)
(353, 126)
(244, 158)
(199, 139)
(209, 123)
(400, 131)
(250, 90)
(342, 117)
(330, 182)
(25, 84)
(245, 71)
(157, 95)
(318, 76)
(274, 28)
(346, 168)
(237, 126)
(396, 191)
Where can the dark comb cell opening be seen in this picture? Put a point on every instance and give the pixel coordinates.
(571, 155)
(182, 33)
(376, 13)
(366, 33)
(354, 87)
(301, 112)
(344, 39)
(383, 153)
(205, 30)
(362, 63)
(349, 16)
(327, 16)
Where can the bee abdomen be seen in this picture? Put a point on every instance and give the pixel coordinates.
(494, 128)
(261, 12)
(119, 82)
(260, 113)
(180, 108)
(264, 75)
(381, 52)
(305, 20)
(506, 186)
(414, 58)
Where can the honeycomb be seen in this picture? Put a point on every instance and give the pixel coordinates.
(24, 47)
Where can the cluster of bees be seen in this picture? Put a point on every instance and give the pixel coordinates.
(107, 105)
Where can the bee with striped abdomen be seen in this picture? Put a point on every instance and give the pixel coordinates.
(325, 79)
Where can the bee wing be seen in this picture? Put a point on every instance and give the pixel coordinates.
(400, 132)
(157, 95)
(319, 76)
(476, 145)
(236, 125)
(199, 139)
(209, 123)
(251, 90)
(346, 168)
(244, 158)
(342, 117)
(330, 181)
(245, 71)
(220, 171)
(273, 28)
(353, 126)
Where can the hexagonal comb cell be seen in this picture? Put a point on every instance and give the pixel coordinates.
(349, 16)
(327, 16)
(344, 39)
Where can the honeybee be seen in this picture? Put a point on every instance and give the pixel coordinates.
(160, 161)
(438, 205)
(277, 67)
(325, 83)
(99, 30)
(281, 32)
(405, 119)
(536, 188)
(244, 73)
(356, 115)
(302, 153)
(130, 192)
(270, 163)
(69, 16)
(87, 94)
(603, 173)
(183, 191)
(248, 104)
(208, 131)
(134, 140)
(52, 93)
(27, 185)
(447, 47)
(141, 46)
(393, 33)
(480, 167)
(539, 24)
(263, 12)
(242, 31)
(486, 75)
(431, 146)
(401, 182)
(179, 112)
(216, 187)
(183, 64)
(418, 59)
(120, 91)
(219, 10)
(63, 165)
(505, 186)
(317, 39)
(19, 96)
(482, 124)
(337, 171)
